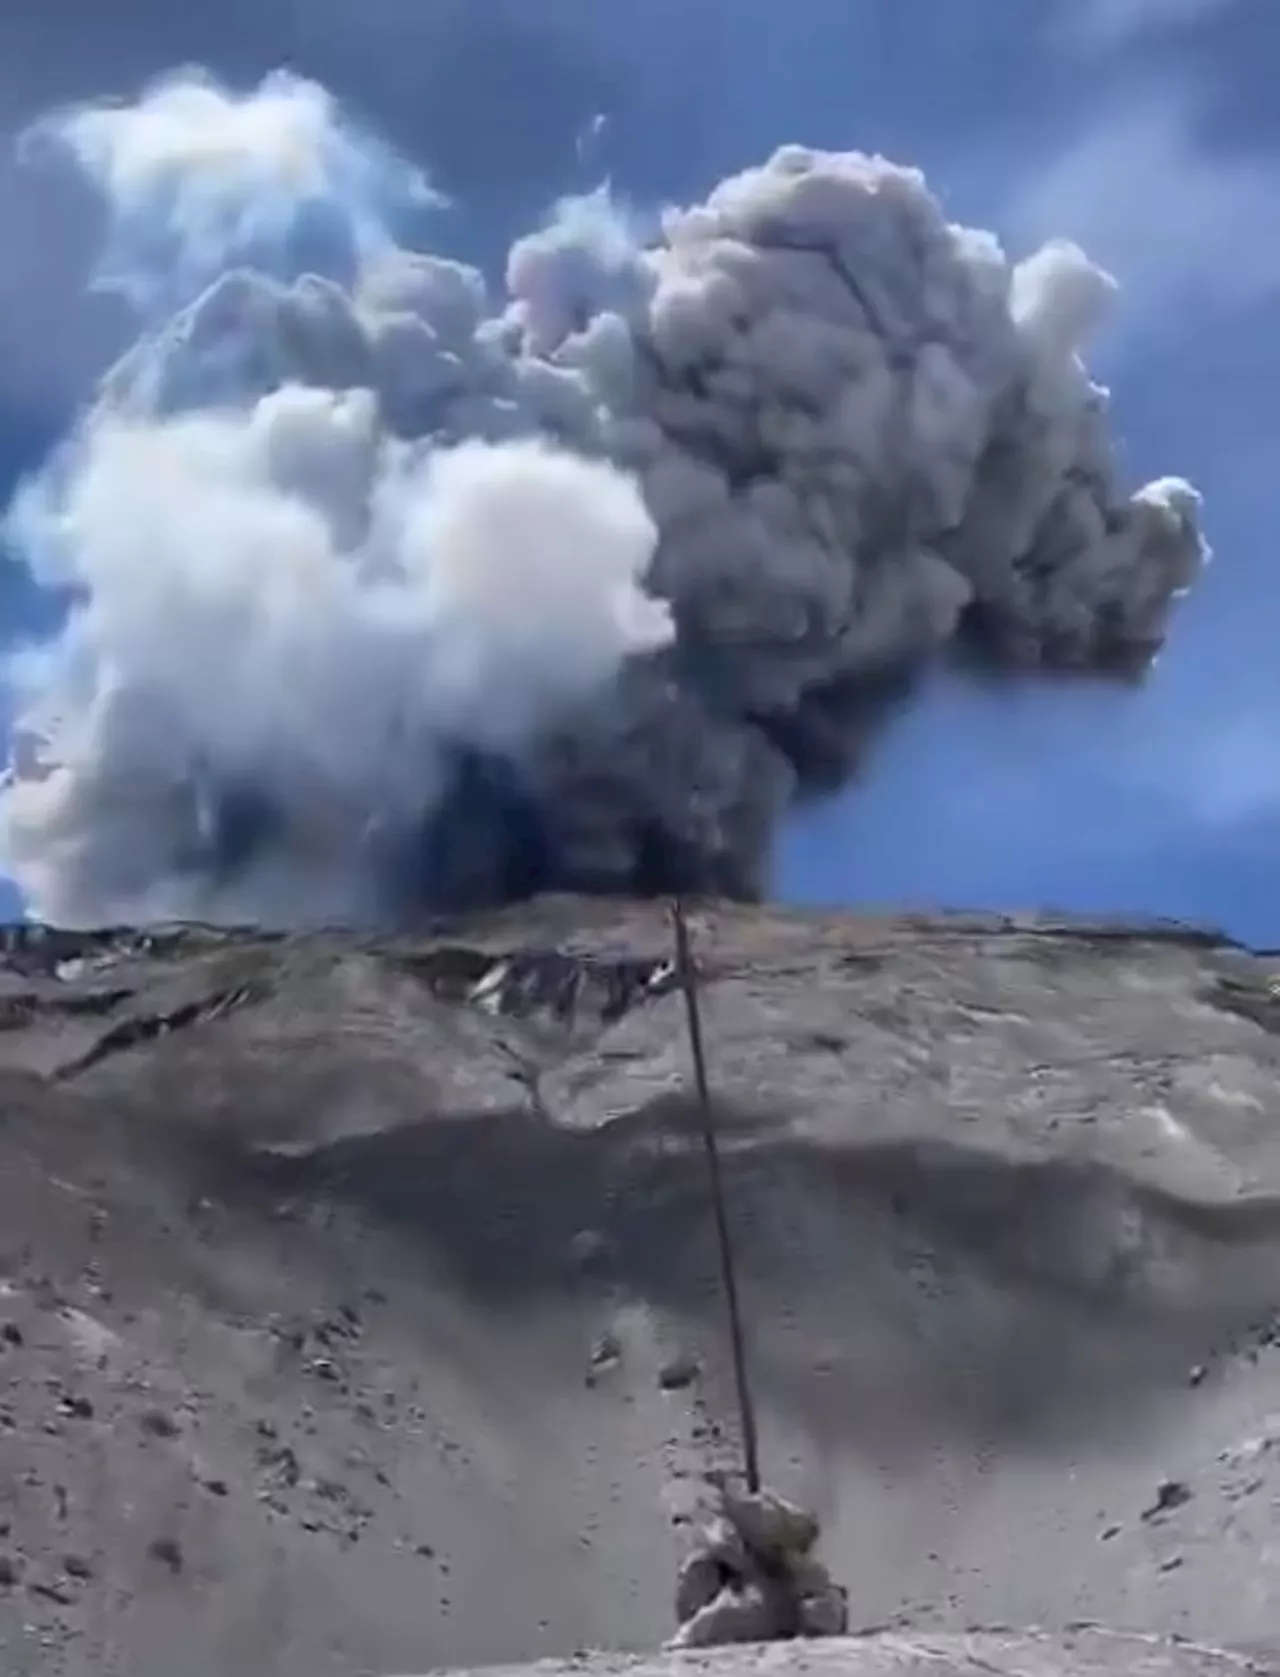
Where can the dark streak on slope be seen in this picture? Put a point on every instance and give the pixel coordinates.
(143, 1028)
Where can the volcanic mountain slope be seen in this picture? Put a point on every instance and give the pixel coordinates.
(359, 1308)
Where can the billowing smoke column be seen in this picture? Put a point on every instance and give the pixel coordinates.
(382, 600)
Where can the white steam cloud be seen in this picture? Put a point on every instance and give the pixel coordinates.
(382, 599)
(194, 177)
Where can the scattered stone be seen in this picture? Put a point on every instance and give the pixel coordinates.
(9, 1572)
(77, 1567)
(606, 1350)
(55, 1592)
(606, 1355)
(1170, 1494)
(282, 1461)
(11, 1334)
(79, 1407)
(680, 1371)
(158, 1424)
(1249, 1450)
(168, 1551)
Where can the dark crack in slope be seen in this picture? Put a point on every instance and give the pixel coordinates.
(143, 1028)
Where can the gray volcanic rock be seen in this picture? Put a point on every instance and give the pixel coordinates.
(341, 1283)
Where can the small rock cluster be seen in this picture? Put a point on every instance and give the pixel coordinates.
(753, 1577)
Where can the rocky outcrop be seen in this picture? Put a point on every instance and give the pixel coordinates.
(753, 1576)
(359, 1304)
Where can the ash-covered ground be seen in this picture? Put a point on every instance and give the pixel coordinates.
(359, 1305)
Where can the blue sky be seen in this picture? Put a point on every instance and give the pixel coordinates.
(1147, 129)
